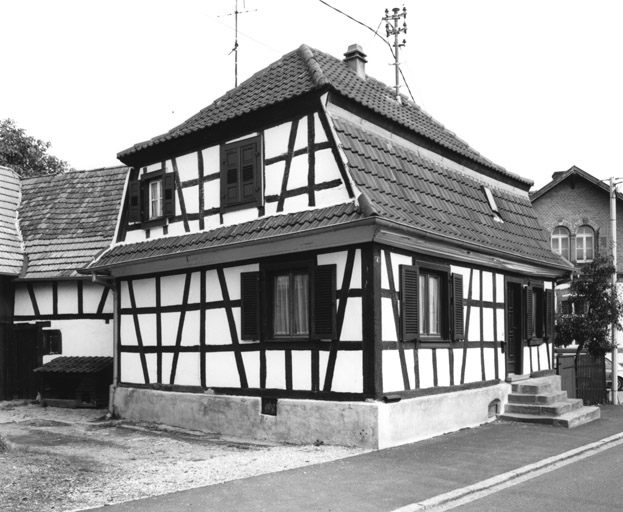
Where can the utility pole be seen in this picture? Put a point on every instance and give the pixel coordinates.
(395, 30)
(613, 238)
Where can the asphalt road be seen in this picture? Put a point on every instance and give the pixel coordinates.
(591, 484)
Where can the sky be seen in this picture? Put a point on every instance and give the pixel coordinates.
(534, 85)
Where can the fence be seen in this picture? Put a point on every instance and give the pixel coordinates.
(589, 382)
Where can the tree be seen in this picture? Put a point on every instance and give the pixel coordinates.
(595, 306)
(26, 155)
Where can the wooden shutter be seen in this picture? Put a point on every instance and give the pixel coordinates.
(549, 313)
(458, 323)
(529, 315)
(168, 195)
(250, 305)
(324, 302)
(230, 175)
(248, 171)
(409, 302)
(134, 201)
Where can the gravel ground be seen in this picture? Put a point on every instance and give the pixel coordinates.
(73, 459)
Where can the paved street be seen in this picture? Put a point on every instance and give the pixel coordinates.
(400, 477)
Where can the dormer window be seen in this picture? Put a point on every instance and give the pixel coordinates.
(152, 198)
(242, 173)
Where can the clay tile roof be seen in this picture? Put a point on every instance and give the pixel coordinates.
(68, 219)
(305, 70)
(76, 365)
(403, 186)
(11, 253)
(264, 229)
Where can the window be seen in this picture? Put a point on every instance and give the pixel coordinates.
(152, 198)
(539, 316)
(584, 244)
(431, 303)
(241, 173)
(560, 241)
(52, 342)
(280, 303)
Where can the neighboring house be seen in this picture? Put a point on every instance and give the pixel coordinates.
(309, 258)
(574, 209)
(51, 226)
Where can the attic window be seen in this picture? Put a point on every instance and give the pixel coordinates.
(241, 173)
(492, 204)
(152, 198)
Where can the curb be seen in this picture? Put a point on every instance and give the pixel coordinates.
(497, 483)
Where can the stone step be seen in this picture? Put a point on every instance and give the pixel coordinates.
(545, 398)
(551, 409)
(538, 386)
(568, 420)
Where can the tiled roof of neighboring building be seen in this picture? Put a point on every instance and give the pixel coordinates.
(412, 190)
(11, 254)
(559, 177)
(71, 364)
(305, 70)
(263, 229)
(68, 219)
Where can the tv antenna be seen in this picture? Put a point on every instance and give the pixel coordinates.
(234, 50)
(395, 30)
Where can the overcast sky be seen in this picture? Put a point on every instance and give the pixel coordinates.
(534, 85)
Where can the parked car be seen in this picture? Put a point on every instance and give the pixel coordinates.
(609, 372)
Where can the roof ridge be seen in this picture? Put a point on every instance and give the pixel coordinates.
(315, 70)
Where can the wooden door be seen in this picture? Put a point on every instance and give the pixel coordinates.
(513, 329)
(24, 355)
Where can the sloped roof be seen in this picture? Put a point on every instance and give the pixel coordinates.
(263, 229)
(75, 364)
(410, 189)
(559, 177)
(68, 219)
(11, 255)
(305, 70)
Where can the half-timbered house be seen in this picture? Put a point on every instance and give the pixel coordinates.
(312, 258)
(52, 226)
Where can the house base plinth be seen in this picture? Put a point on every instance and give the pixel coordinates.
(372, 425)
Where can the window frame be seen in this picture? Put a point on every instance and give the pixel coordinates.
(539, 313)
(585, 237)
(241, 200)
(52, 342)
(257, 302)
(564, 234)
(450, 303)
(140, 200)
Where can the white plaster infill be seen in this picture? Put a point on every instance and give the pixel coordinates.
(458, 497)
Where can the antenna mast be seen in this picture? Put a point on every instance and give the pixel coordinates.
(395, 30)
(235, 48)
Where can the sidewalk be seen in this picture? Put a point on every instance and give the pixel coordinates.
(389, 479)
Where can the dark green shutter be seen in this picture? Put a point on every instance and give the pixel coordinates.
(529, 315)
(409, 302)
(458, 323)
(549, 313)
(250, 305)
(168, 195)
(324, 302)
(134, 201)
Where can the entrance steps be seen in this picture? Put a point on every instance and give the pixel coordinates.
(541, 400)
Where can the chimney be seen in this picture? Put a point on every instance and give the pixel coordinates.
(356, 60)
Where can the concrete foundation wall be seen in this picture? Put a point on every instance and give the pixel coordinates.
(372, 425)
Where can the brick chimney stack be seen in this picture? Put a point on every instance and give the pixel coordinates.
(356, 60)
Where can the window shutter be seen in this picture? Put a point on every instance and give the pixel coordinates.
(549, 313)
(325, 320)
(409, 302)
(529, 315)
(230, 175)
(458, 324)
(134, 198)
(248, 172)
(168, 195)
(250, 305)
